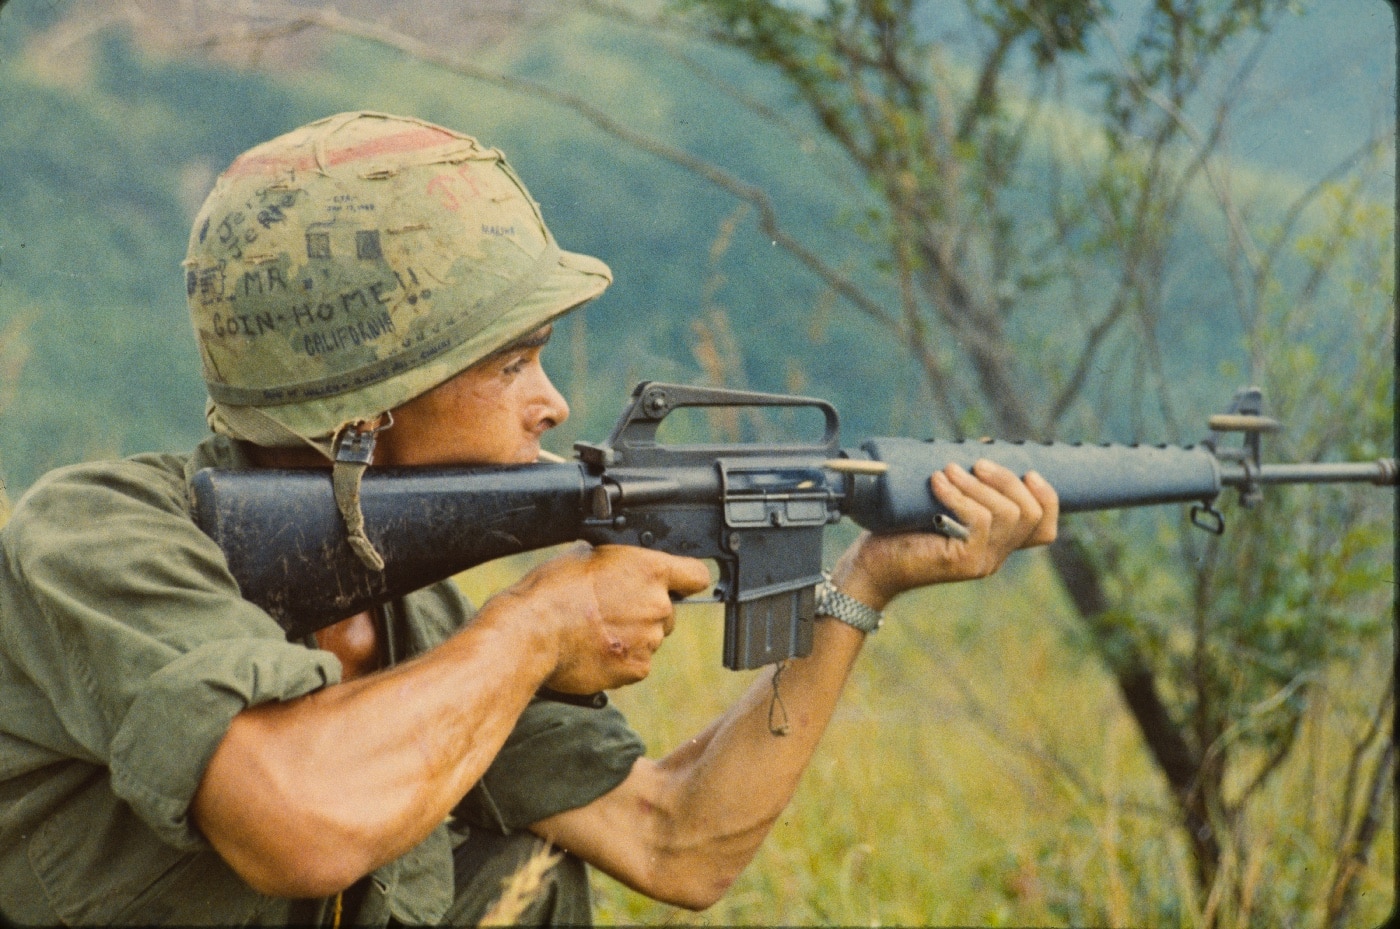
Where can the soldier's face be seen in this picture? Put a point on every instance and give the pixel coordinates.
(492, 413)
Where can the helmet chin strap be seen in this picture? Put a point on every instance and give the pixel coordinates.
(354, 450)
(349, 451)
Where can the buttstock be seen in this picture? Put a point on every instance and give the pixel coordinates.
(284, 539)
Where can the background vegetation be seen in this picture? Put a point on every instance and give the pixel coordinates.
(990, 766)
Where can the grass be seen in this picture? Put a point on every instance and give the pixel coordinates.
(982, 771)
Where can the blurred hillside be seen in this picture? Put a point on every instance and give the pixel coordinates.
(109, 139)
(1011, 784)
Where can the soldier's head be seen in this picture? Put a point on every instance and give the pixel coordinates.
(342, 270)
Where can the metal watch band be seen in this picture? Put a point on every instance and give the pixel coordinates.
(832, 602)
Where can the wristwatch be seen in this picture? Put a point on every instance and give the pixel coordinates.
(832, 602)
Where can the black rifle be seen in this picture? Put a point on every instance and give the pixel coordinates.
(757, 509)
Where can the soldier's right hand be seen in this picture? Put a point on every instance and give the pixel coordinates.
(610, 608)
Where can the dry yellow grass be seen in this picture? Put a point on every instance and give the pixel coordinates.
(982, 771)
(521, 889)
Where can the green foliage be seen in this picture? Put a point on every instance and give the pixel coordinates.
(1023, 796)
(97, 179)
(113, 368)
(983, 772)
(1216, 670)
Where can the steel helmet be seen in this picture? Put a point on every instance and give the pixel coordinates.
(348, 266)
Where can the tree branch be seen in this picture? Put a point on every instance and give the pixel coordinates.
(331, 20)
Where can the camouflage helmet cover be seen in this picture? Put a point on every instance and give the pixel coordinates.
(340, 270)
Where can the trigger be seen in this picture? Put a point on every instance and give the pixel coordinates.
(713, 597)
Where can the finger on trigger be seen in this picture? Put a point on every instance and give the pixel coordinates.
(687, 576)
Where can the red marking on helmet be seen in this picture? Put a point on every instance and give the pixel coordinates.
(442, 184)
(413, 140)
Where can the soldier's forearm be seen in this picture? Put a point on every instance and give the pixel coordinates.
(683, 828)
(303, 798)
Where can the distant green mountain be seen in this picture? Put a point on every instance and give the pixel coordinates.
(99, 179)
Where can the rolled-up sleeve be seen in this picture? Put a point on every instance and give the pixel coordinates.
(183, 711)
(139, 636)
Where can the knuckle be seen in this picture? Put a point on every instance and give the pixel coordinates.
(978, 518)
(1004, 514)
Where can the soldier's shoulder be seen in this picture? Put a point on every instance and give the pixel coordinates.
(96, 490)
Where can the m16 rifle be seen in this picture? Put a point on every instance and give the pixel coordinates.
(757, 509)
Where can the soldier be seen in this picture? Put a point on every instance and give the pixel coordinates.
(384, 286)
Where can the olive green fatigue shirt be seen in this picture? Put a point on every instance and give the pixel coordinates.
(125, 652)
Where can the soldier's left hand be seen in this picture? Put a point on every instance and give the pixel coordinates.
(1000, 512)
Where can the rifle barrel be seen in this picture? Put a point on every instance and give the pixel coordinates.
(1381, 472)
